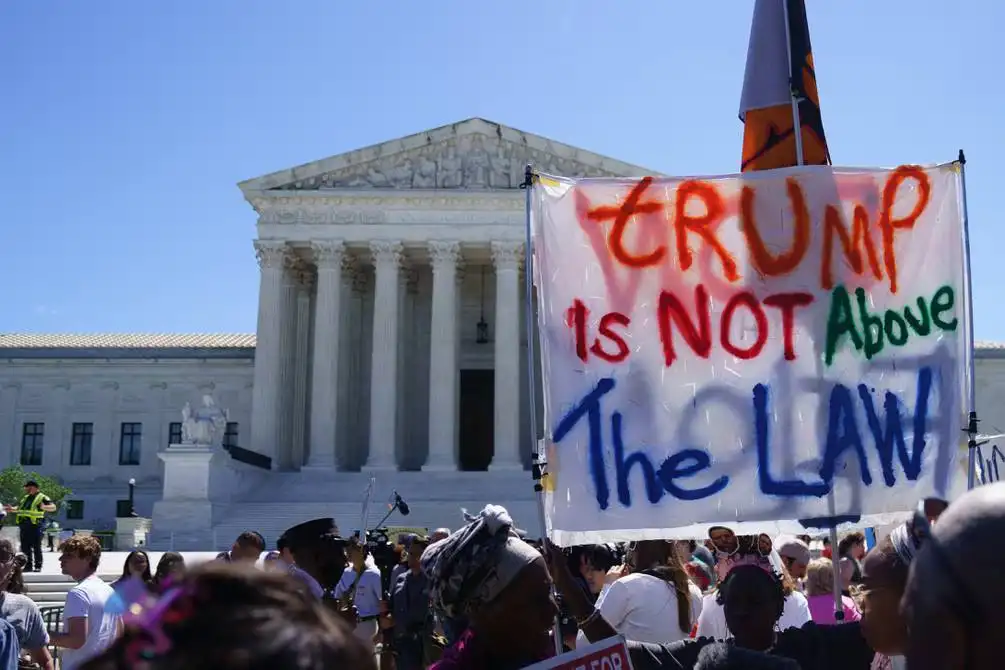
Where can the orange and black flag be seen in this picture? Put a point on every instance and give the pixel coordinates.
(780, 66)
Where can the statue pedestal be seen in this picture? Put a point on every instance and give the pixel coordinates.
(131, 532)
(198, 479)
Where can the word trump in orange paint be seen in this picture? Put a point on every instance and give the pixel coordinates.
(862, 253)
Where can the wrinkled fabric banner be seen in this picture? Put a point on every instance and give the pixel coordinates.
(730, 350)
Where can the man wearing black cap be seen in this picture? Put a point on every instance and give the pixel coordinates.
(319, 558)
(30, 513)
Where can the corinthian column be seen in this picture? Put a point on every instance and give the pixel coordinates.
(507, 257)
(301, 367)
(266, 393)
(329, 256)
(287, 372)
(387, 258)
(443, 357)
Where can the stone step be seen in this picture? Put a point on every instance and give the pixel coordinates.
(271, 502)
(49, 588)
(272, 519)
(321, 486)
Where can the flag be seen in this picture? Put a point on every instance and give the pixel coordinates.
(780, 65)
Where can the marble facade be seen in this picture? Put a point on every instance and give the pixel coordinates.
(366, 259)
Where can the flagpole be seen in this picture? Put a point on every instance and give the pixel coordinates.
(971, 382)
(796, 121)
(538, 458)
(797, 129)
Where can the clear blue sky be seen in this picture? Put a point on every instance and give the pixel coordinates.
(126, 125)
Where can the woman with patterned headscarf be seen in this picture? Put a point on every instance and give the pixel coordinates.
(486, 574)
(884, 579)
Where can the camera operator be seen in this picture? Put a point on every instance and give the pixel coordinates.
(409, 623)
(361, 586)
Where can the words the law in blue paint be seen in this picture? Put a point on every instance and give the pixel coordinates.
(881, 441)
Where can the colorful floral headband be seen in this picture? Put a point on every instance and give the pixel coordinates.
(148, 614)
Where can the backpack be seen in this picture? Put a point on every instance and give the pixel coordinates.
(10, 648)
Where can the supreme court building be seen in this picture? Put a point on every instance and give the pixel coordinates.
(391, 343)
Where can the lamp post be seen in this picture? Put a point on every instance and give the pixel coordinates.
(132, 490)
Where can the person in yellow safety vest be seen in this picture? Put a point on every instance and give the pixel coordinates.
(29, 513)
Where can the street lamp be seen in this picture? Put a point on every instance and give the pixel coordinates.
(132, 490)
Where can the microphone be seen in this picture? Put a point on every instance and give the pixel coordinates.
(723, 656)
(401, 504)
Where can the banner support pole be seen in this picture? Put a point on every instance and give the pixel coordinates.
(797, 130)
(539, 461)
(971, 382)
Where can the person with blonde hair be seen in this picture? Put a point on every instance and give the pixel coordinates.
(820, 594)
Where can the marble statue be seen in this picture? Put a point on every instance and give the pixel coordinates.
(500, 176)
(476, 165)
(425, 173)
(450, 175)
(205, 426)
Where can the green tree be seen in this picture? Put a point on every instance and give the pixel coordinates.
(12, 481)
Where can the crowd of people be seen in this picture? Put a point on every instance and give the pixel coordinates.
(484, 598)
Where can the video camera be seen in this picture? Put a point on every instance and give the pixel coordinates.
(378, 545)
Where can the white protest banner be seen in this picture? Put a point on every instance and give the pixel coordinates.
(770, 351)
(609, 654)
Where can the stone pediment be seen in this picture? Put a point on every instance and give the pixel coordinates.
(474, 154)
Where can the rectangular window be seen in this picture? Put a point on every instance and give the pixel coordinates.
(123, 509)
(130, 443)
(230, 435)
(80, 444)
(74, 509)
(32, 436)
(174, 433)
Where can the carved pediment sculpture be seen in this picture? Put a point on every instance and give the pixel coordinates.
(468, 162)
(473, 154)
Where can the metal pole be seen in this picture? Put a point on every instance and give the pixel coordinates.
(797, 129)
(529, 316)
(132, 497)
(971, 428)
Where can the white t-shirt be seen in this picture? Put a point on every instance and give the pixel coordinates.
(712, 622)
(87, 599)
(368, 591)
(643, 608)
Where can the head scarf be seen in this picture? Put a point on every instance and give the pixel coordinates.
(904, 543)
(473, 566)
